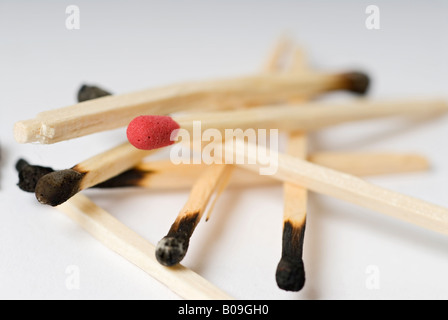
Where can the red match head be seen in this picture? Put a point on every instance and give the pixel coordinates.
(151, 132)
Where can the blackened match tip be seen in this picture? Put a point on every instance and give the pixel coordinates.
(29, 175)
(20, 164)
(357, 82)
(290, 275)
(171, 250)
(87, 92)
(57, 187)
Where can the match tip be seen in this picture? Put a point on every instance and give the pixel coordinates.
(57, 187)
(20, 164)
(151, 132)
(357, 82)
(29, 175)
(171, 250)
(290, 274)
(87, 92)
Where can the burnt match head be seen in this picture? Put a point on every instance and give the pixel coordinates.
(59, 186)
(171, 250)
(357, 82)
(29, 175)
(290, 274)
(86, 93)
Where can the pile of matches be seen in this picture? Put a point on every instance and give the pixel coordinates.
(279, 97)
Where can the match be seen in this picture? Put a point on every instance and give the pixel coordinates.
(154, 131)
(172, 248)
(57, 187)
(164, 175)
(118, 110)
(290, 272)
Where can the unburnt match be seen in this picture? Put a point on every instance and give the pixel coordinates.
(118, 110)
(153, 131)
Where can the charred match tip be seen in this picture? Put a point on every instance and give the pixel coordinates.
(21, 163)
(57, 187)
(171, 250)
(357, 82)
(29, 175)
(290, 274)
(151, 132)
(87, 92)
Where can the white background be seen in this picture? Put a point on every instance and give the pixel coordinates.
(130, 45)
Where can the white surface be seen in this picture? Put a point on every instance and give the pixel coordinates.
(130, 45)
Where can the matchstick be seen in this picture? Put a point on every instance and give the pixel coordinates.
(370, 163)
(342, 186)
(165, 175)
(111, 112)
(127, 243)
(172, 248)
(290, 272)
(57, 187)
(152, 131)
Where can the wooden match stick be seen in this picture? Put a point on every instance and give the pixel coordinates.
(173, 247)
(145, 132)
(57, 187)
(165, 175)
(342, 186)
(111, 112)
(290, 272)
(119, 238)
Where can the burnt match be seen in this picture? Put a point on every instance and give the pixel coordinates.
(172, 248)
(165, 175)
(290, 274)
(57, 187)
(118, 110)
(30, 174)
